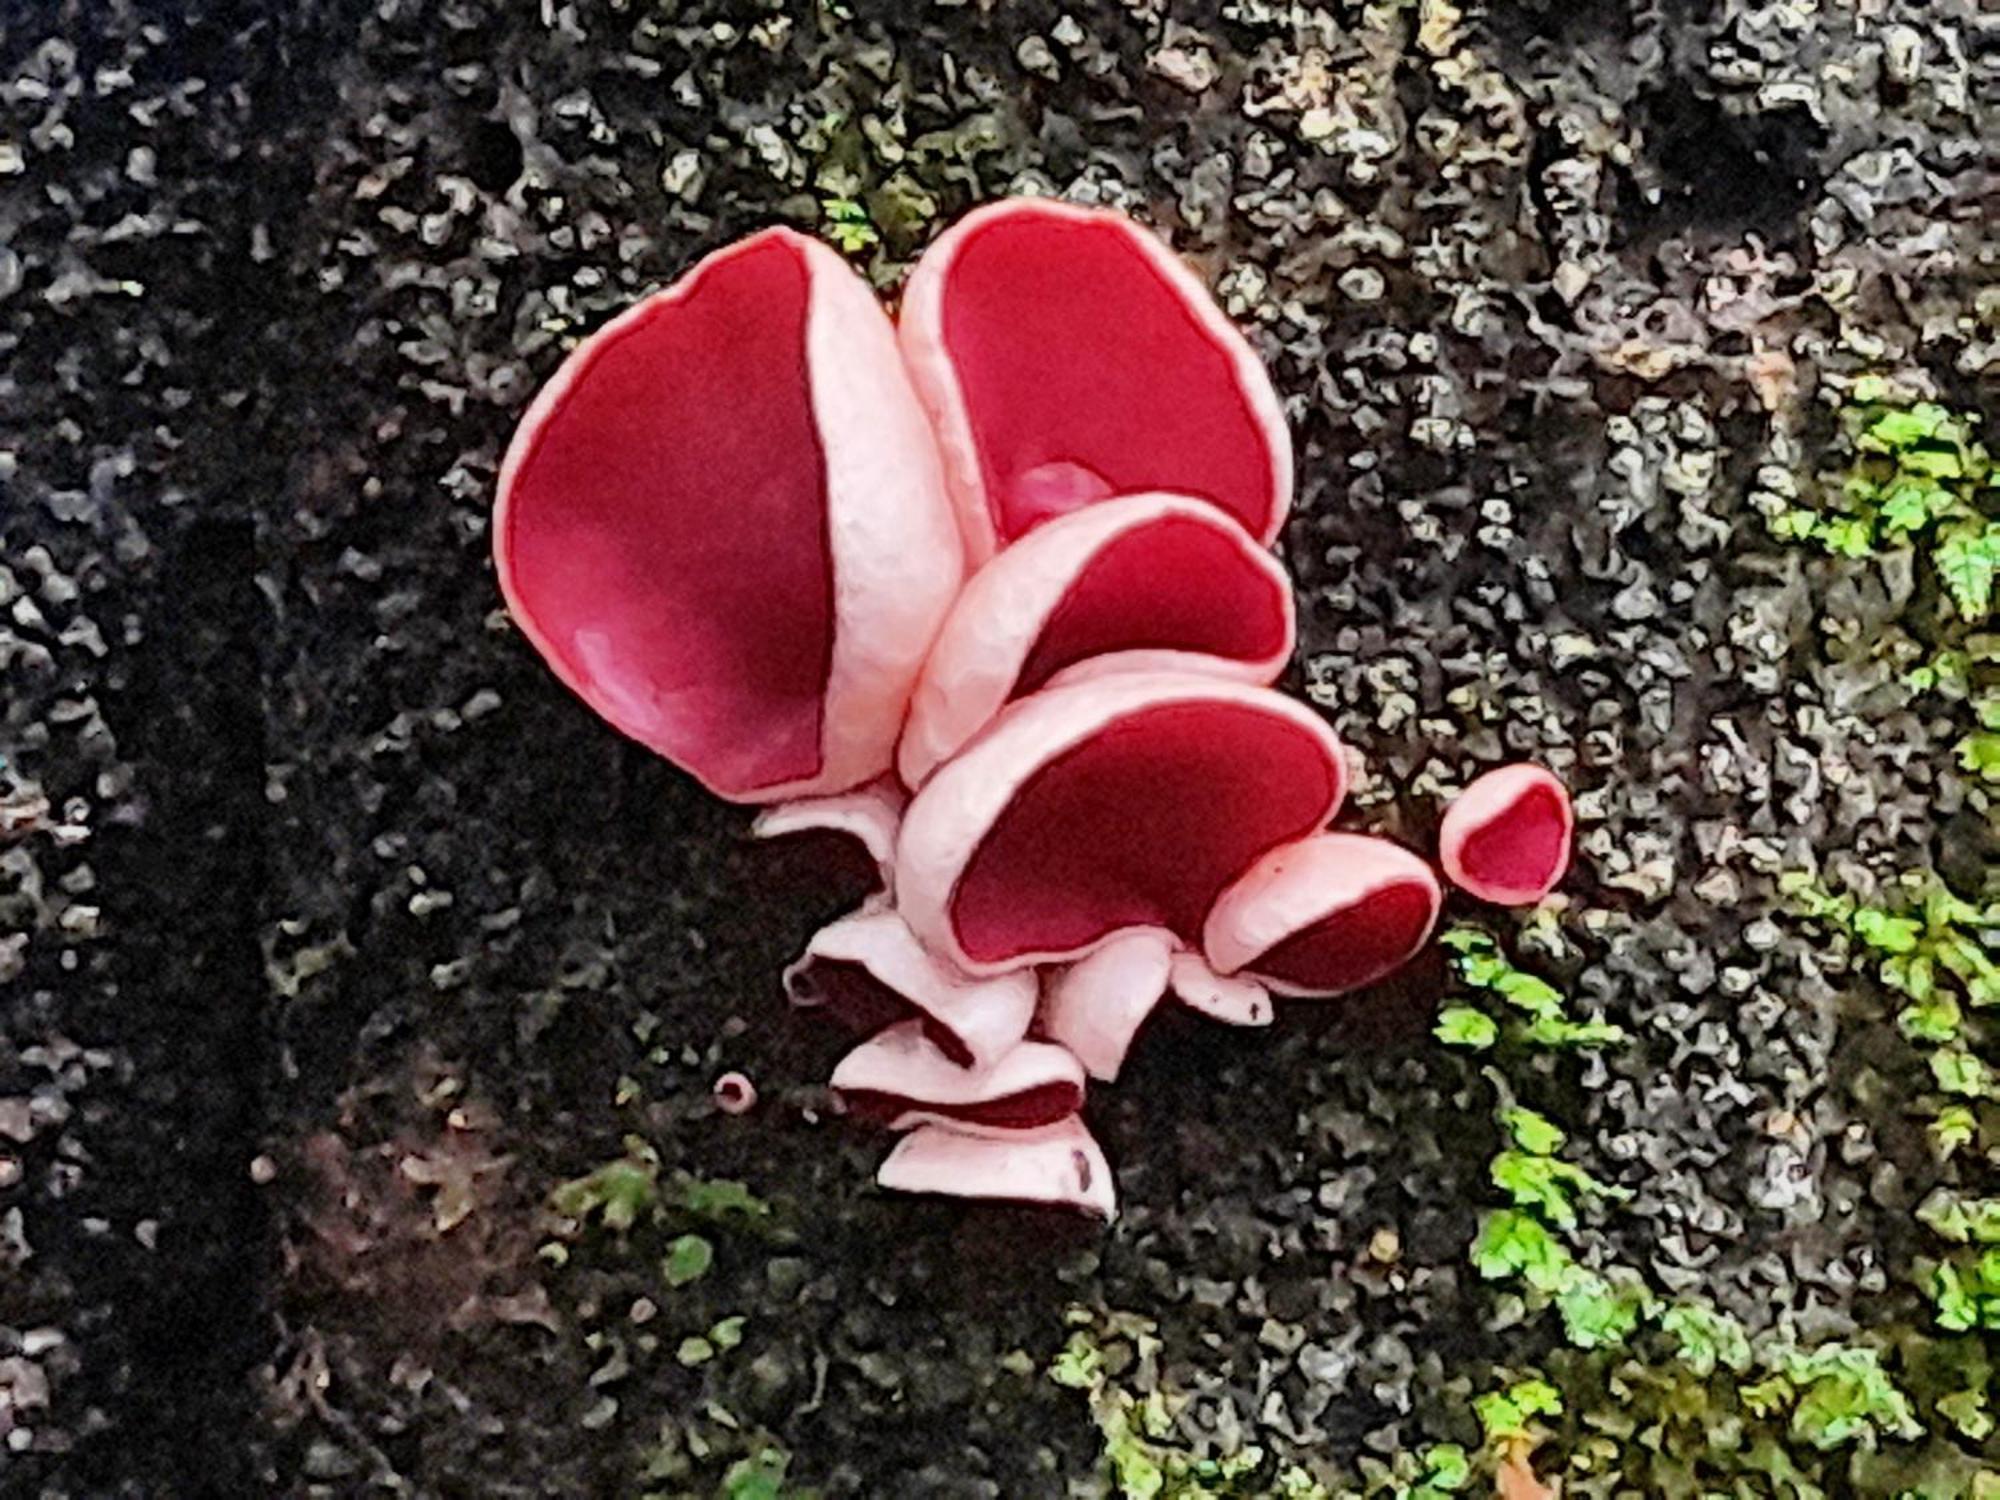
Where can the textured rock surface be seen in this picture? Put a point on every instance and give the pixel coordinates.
(333, 934)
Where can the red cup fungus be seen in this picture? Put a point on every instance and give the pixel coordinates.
(1090, 809)
(1066, 355)
(1506, 838)
(735, 1094)
(736, 522)
(722, 524)
(1146, 573)
(868, 969)
(1326, 915)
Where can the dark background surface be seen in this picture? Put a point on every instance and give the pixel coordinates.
(333, 934)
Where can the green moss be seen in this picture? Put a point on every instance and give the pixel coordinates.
(688, 1259)
(1437, 1471)
(617, 1194)
(1706, 1340)
(1930, 949)
(1112, 1359)
(718, 1200)
(630, 1190)
(1508, 1414)
(1916, 476)
(849, 226)
(699, 1349)
(1532, 1013)
(1647, 1395)
(761, 1476)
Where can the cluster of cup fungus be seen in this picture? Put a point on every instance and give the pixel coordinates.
(988, 588)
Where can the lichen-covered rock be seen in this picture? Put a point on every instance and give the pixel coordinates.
(331, 940)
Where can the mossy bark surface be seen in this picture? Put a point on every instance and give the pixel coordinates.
(335, 936)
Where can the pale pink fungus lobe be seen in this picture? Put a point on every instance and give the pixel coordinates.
(1323, 916)
(902, 1077)
(1153, 573)
(1506, 838)
(1120, 802)
(735, 1094)
(1060, 1165)
(1231, 999)
(869, 970)
(869, 814)
(1095, 1006)
(1067, 355)
(723, 524)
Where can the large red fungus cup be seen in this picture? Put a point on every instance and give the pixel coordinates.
(1143, 573)
(1119, 802)
(722, 523)
(1066, 355)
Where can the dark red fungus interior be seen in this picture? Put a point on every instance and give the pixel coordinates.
(1520, 848)
(1084, 375)
(1043, 1104)
(1354, 946)
(1141, 825)
(666, 533)
(1171, 584)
